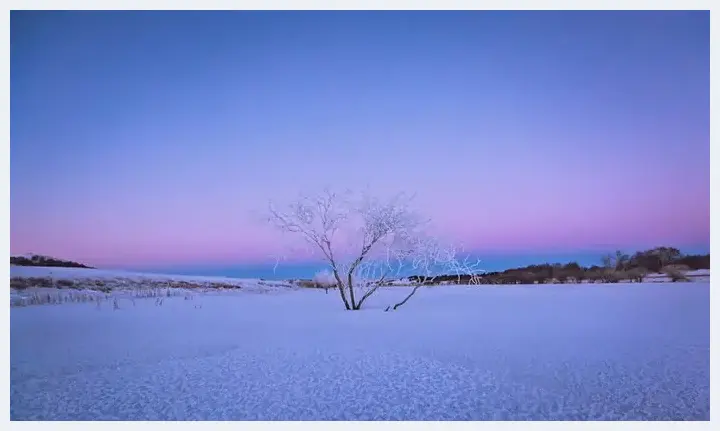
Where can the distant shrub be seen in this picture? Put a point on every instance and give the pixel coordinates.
(183, 285)
(613, 276)
(559, 279)
(54, 297)
(637, 274)
(695, 261)
(218, 285)
(104, 289)
(675, 273)
(677, 267)
(526, 277)
(27, 282)
(19, 283)
(306, 283)
(65, 283)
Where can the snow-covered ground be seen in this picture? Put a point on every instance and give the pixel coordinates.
(616, 351)
(40, 285)
(93, 274)
(698, 275)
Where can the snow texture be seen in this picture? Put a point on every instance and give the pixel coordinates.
(698, 275)
(566, 352)
(87, 273)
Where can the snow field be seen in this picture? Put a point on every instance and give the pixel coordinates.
(585, 352)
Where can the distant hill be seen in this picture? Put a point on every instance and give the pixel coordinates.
(39, 260)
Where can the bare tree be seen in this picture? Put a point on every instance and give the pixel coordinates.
(665, 255)
(608, 261)
(387, 236)
(621, 260)
(614, 265)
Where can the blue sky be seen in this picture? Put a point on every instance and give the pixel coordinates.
(149, 138)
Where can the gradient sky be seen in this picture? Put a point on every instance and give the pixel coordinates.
(152, 139)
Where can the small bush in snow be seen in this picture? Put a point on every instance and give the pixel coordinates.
(675, 273)
(305, 283)
(65, 283)
(637, 274)
(613, 276)
(19, 283)
(38, 281)
(51, 297)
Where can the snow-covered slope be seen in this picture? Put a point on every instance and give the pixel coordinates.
(101, 274)
(622, 351)
(698, 275)
(32, 285)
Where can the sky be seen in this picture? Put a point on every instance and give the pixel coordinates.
(156, 139)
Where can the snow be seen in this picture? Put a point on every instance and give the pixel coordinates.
(400, 282)
(90, 284)
(108, 287)
(102, 274)
(698, 275)
(603, 352)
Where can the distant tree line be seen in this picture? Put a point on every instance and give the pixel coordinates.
(614, 268)
(38, 260)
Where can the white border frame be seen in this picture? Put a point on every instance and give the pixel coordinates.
(357, 5)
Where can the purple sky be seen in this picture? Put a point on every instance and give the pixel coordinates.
(150, 138)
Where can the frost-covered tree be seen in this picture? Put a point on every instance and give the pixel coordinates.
(364, 240)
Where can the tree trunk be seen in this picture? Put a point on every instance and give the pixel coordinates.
(352, 292)
(341, 288)
(342, 295)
